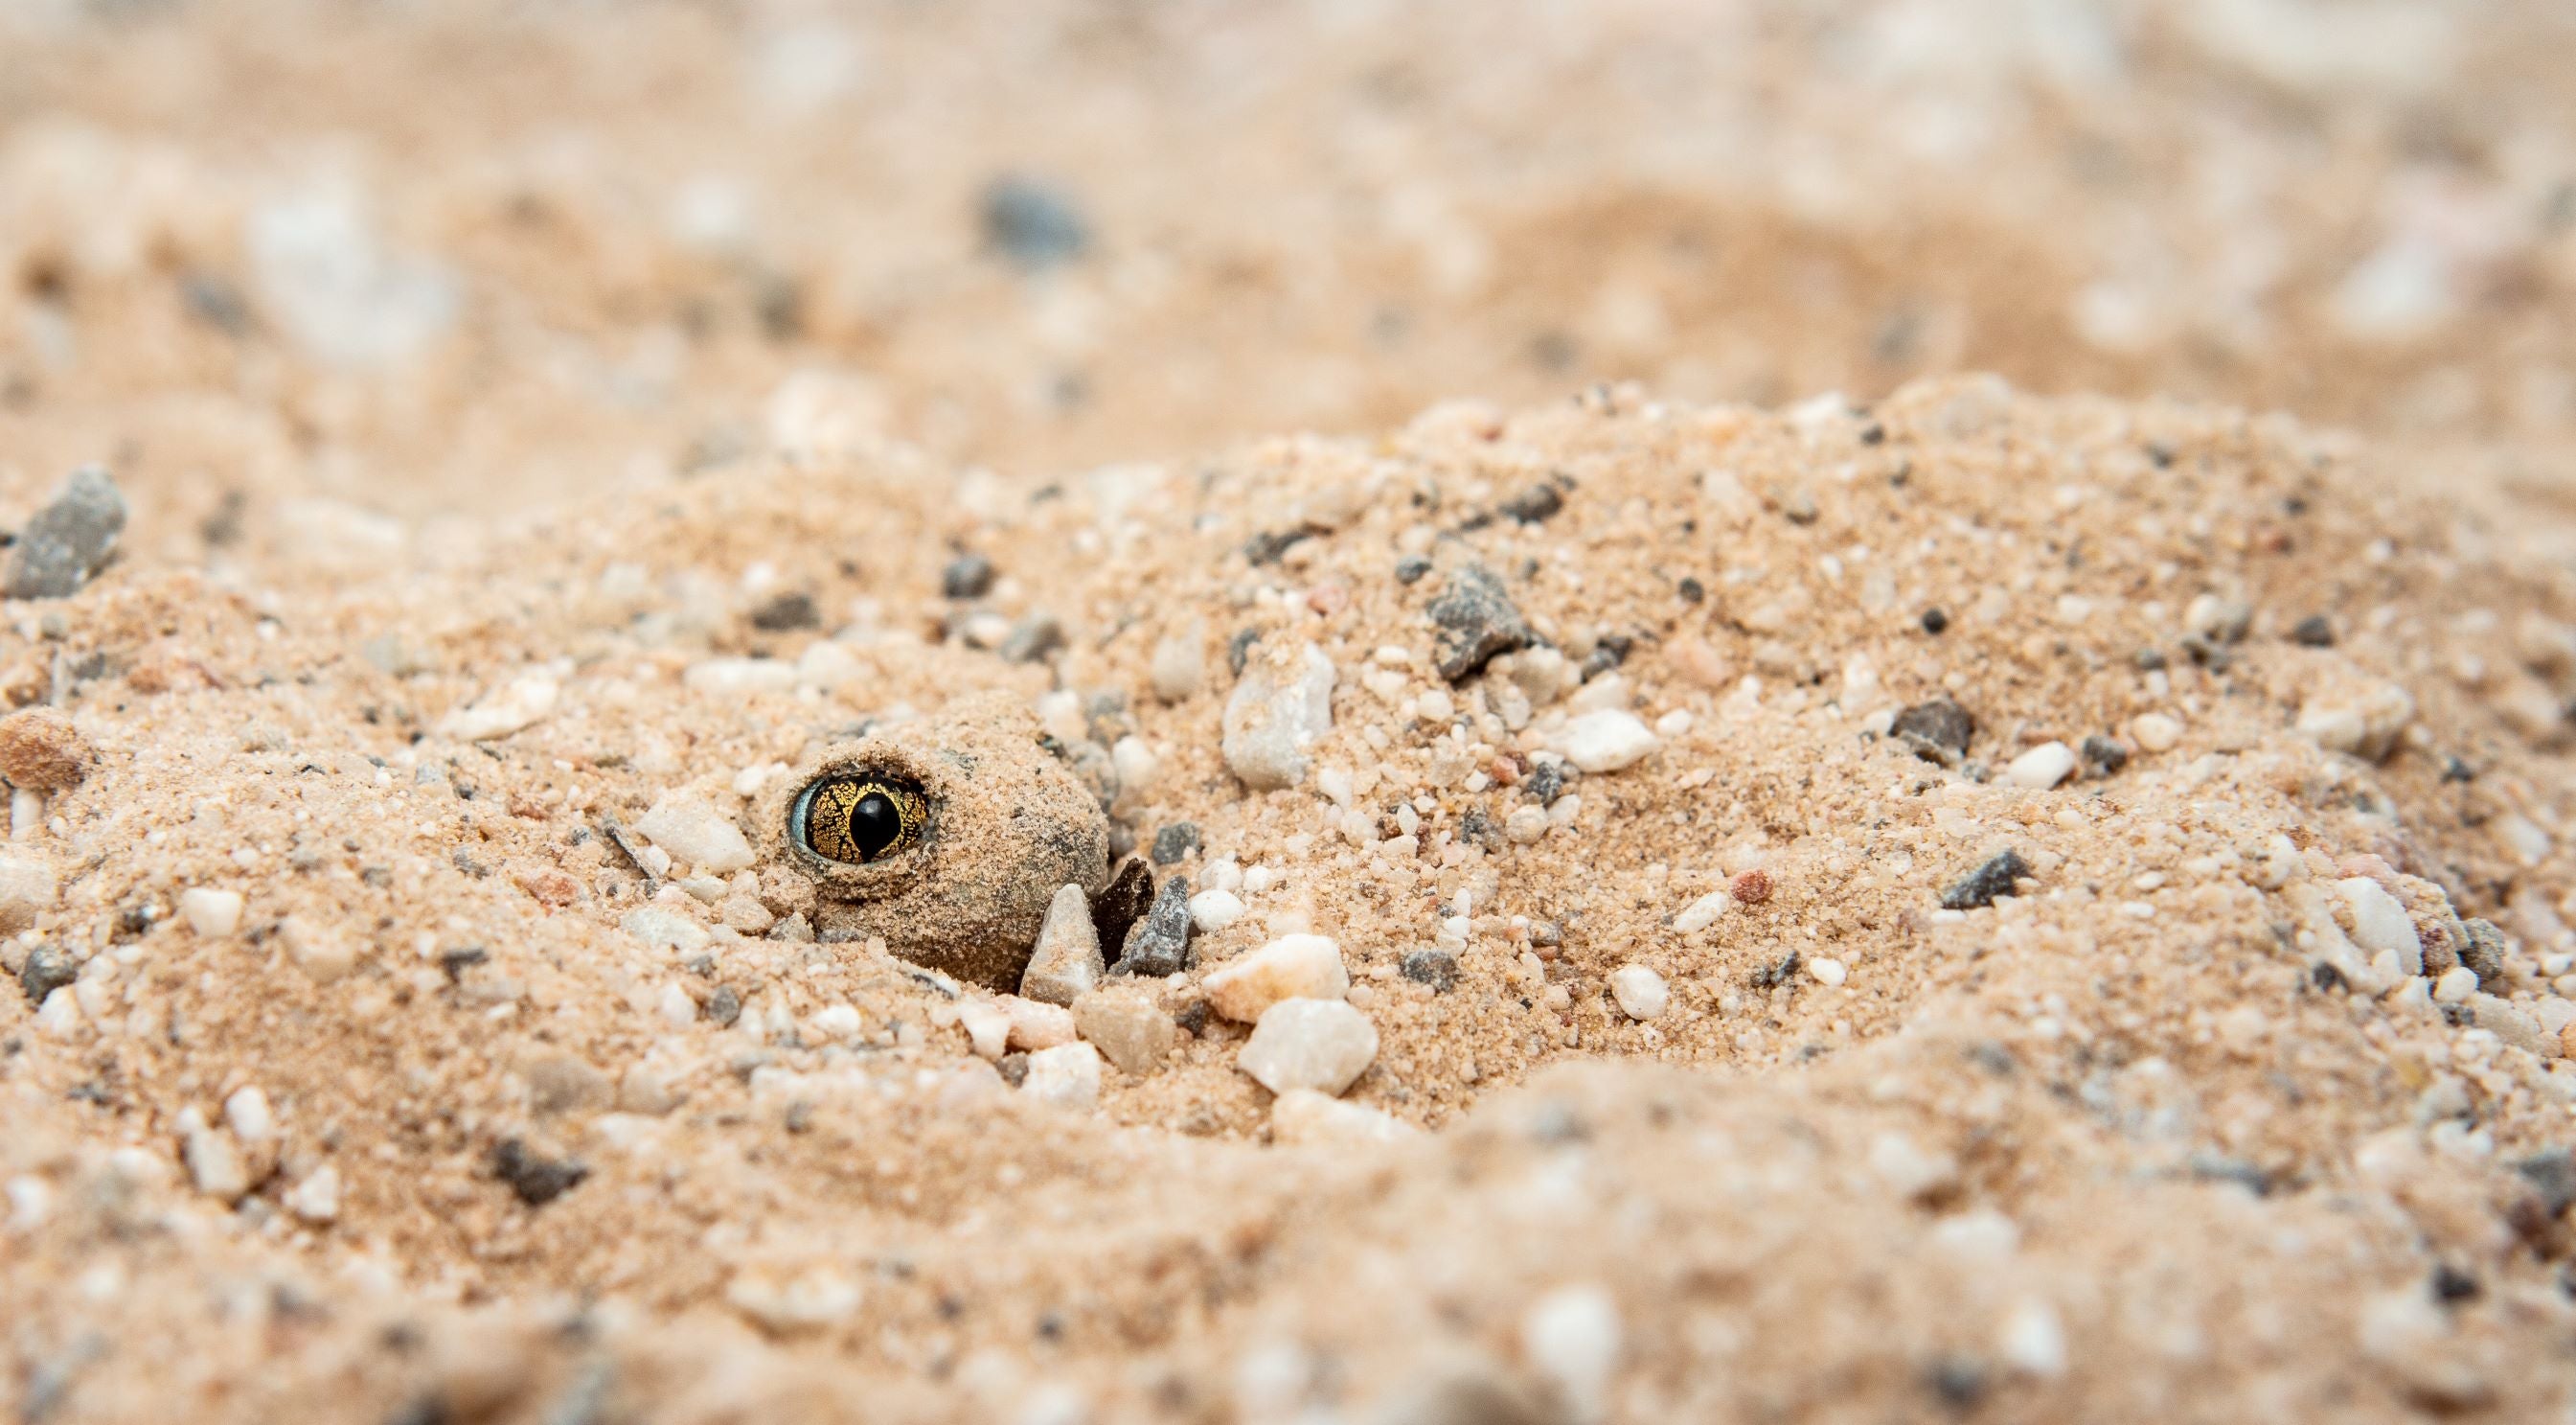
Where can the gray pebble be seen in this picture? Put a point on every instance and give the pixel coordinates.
(1033, 224)
(2313, 632)
(1436, 968)
(1478, 829)
(47, 970)
(1176, 843)
(968, 576)
(2484, 952)
(1545, 783)
(1014, 1068)
(1980, 886)
(2551, 1173)
(1159, 944)
(1938, 730)
(2103, 756)
(787, 613)
(1411, 568)
(1476, 622)
(536, 1180)
(68, 539)
(1535, 504)
(1031, 639)
(724, 1006)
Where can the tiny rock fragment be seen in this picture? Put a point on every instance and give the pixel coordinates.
(1067, 1076)
(68, 540)
(1640, 991)
(316, 1197)
(1036, 1025)
(2380, 923)
(519, 704)
(214, 1162)
(1176, 843)
(1159, 943)
(788, 1301)
(1269, 724)
(1128, 1027)
(41, 750)
(1031, 639)
(2103, 756)
(1938, 730)
(2511, 1023)
(560, 1083)
(2216, 619)
(46, 970)
(27, 889)
(1214, 910)
(537, 1180)
(1066, 963)
(1751, 888)
(322, 952)
(1534, 505)
(1290, 967)
(1474, 622)
(787, 613)
(662, 929)
(1305, 1116)
(1702, 913)
(697, 834)
(1179, 666)
(1324, 1045)
(2484, 951)
(1573, 1338)
(1606, 741)
(2363, 722)
(1123, 902)
(2314, 631)
(988, 1028)
(1980, 886)
(1033, 224)
(2040, 768)
(968, 576)
(2155, 732)
(1434, 967)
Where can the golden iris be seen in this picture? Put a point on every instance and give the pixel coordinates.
(861, 817)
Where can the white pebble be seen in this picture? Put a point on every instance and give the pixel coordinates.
(2380, 923)
(1702, 913)
(662, 929)
(835, 1021)
(1269, 726)
(2032, 1342)
(1305, 1116)
(1136, 763)
(2456, 985)
(1037, 1025)
(674, 1005)
(1572, 1336)
(988, 1029)
(1316, 1044)
(1212, 911)
(1525, 825)
(1640, 991)
(1067, 1075)
(739, 677)
(1828, 971)
(2040, 768)
(694, 832)
(60, 1014)
(27, 890)
(2155, 732)
(1606, 741)
(246, 1112)
(1290, 967)
(1067, 963)
(316, 1199)
(211, 913)
(516, 705)
(1674, 723)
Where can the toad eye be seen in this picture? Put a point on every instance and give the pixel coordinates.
(860, 818)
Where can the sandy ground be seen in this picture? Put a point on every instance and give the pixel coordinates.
(547, 429)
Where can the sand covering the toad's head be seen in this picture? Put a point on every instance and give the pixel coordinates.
(2112, 1147)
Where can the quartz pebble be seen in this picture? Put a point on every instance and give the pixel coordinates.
(1640, 991)
(1828, 971)
(1290, 967)
(1270, 724)
(1606, 741)
(2040, 768)
(2155, 732)
(1212, 911)
(1066, 963)
(696, 833)
(1324, 1045)
(2363, 723)
(987, 1026)
(1127, 1026)
(1305, 1116)
(2456, 985)
(515, 706)
(1474, 621)
(2379, 923)
(322, 952)
(1572, 1337)
(1037, 1025)
(1702, 913)
(68, 540)
(315, 1198)
(1066, 1075)
(662, 929)
(1180, 663)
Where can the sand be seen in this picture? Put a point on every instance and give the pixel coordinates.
(424, 1023)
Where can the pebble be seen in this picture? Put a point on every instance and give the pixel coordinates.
(2484, 950)
(1828, 971)
(1066, 963)
(2455, 986)
(1572, 1338)
(1702, 913)
(60, 1014)
(1606, 741)
(1474, 621)
(1318, 1044)
(2380, 923)
(537, 1180)
(560, 1083)
(247, 1114)
(1212, 911)
(214, 1162)
(1640, 991)
(1159, 942)
(41, 750)
(323, 954)
(1033, 224)
(1036, 1024)
(1268, 726)
(1179, 666)
(1436, 968)
(2103, 756)
(968, 576)
(1176, 843)
(2216, 619)
(1304, 1116)
(47, 969)
(67, 541)
(515, 706)
(988, 1028)
(1290, 967)
(1135, 762)
(1753, 887)
(316, 1197)
(2314, 631)
(1067, 1075)
(1938, 730)
(1979, 887)
(696, 833)
(2155, 732)
(1123, 902)
(2364, 723)
(1127, 1026)
(2509, 1022)
(790, 1302)
(27, 890)
(739, 677)
(1535, 505)
(2031, 1340)
(1525, 825)
(2040, 768)
(662, 929)
(1031, 639)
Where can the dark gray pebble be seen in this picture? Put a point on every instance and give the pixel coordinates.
(2485, 952)
(47, 970)
(787, 613)
(1545, 783)
(1159, 944)
(724, 1006)
(536, 1180)
(1537, 503)
(68, 540)
(1176, 843)
(1436, 968)
(1130, 891)
(2313, 632)
(1239, 647)
(1938, 731)
(2103, 756)
(1411, 568)
(968, 576)
(1033, 224)
(1476, 622)
(1981, 886)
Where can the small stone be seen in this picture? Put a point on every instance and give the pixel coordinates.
(1640, 991)
(1180, 664)
(1475, 621)
(744, 914)
(60, 1014)
(1238, 649)
(316, 1198)
(988, 1029)
(786, 613)
(1525, 826)
(537, 1180)
(1305, 1116)
(647, 1090)
(1035, 1024)
(2455, 986)
(1176, 843)
(322, 953)
(2155, 732)
(1936, 622)
(1268, 726)
(247, 1114)
(2552, 1174)
(27, 890)
(1828, 971)
(696, 833)
(724, 1006)
(1573, 1339)
(2485, 950)
(41, 750)
(789, 1301)
(1702, 913)
(513, 707)
(1033, 224)
(1411, 568)
(1212, 911)
(46, 970)
(1751, 888)
(68, 540)
(2363, 723)
(1980, 886)
(1606, 741)
(2040, 768)
(1031, 639)
(2314, 631)
(1938, 730)
(1128, 1027)
(214, 1163)
(1318, 1044)
(1290, 967)
(1123, 902)
(1159, 943)
(1545, 783)
(662, 929)
(968, 576)
(2216, 619)
(2103, 757)
(1066, 963)
(2032, 1342)
(1434, 967)
(1135, 763)
(2380, 923)
(2511, 1023)
(1067, 1076)
(1535, 505)
(560, 1083)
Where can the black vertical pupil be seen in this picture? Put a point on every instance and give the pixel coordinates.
(874, 824)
